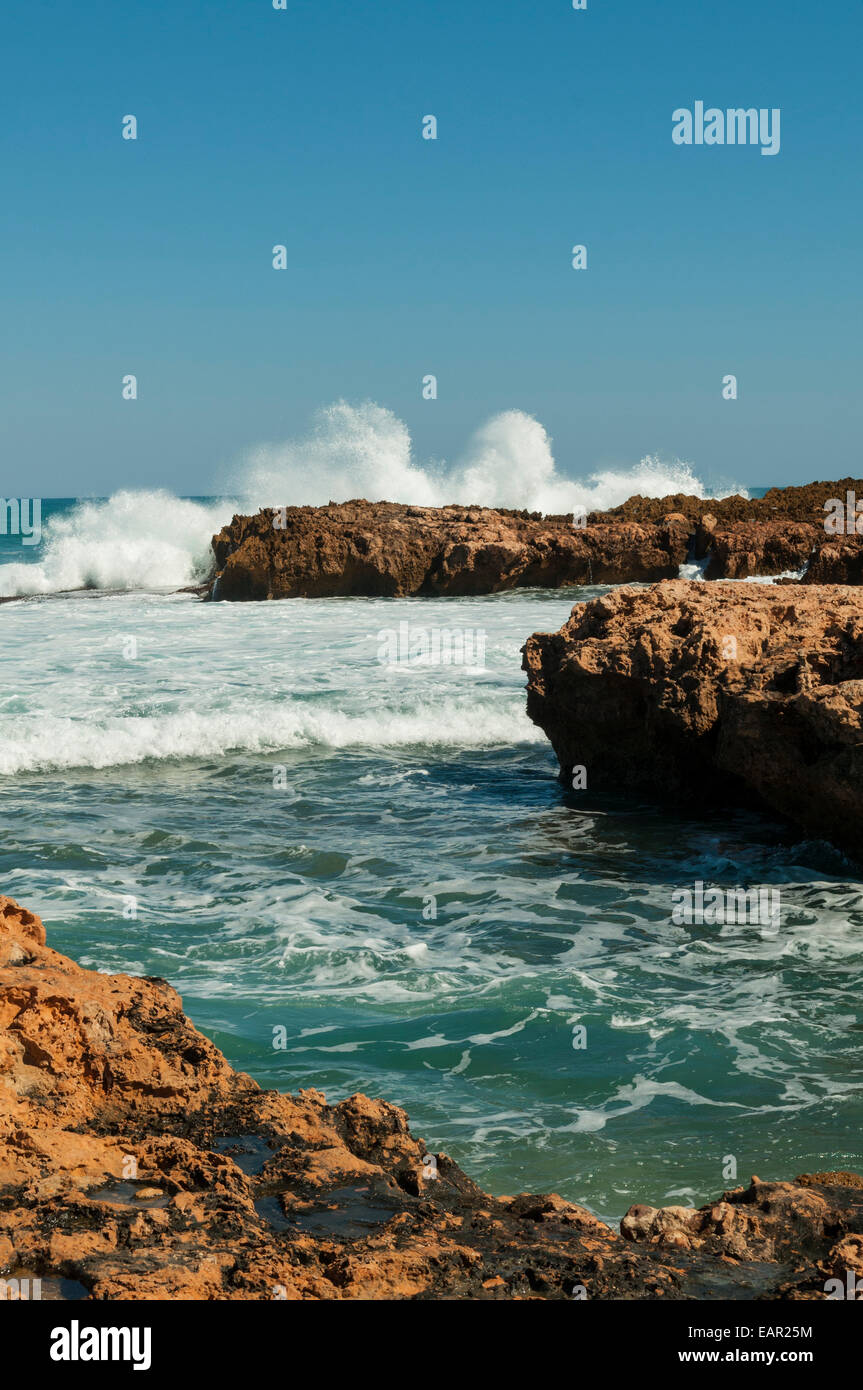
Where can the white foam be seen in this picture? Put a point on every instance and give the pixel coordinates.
(636, 1095)
(48, 742)
(772, 578)
(695, 570)
(135, 540)
(152, 540)
(365, 451)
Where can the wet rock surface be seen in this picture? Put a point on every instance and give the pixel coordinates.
(107, 1093)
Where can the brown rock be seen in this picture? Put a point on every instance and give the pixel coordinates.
(386, 549)
(836, 561)
(805, 503)
(700, 691)
(100, 1071)
(750, 548)
(390, 550)
(704, 533)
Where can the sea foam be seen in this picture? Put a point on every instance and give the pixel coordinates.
(134, 540)
(365, 451)
(51, 742)
(153, 540)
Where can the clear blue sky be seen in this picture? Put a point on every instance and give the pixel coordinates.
(405, 256)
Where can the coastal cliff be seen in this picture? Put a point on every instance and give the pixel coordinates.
(383, 549)
(697, 691)
(136, 1162)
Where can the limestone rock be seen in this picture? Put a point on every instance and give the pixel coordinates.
(701, 691)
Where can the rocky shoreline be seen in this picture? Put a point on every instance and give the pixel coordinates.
(383, 549)
(136, 1164)
(738, 692)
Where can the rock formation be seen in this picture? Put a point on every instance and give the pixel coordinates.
(837, 560)
(385, 549)
(135, 1162)
(745, 549)
(805, 503)
(699, 691)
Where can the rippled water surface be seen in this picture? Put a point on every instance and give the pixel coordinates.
(418, 903)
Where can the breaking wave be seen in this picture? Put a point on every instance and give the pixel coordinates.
(134, 540)
(365, 451)
(47, 743)
(153, 540)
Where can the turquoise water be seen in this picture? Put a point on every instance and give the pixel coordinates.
(300, 906)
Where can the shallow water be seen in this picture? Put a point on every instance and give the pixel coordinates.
(300, 906)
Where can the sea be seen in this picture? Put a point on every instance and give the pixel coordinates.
(362, 874)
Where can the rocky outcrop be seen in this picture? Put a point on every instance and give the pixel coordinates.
(805, 503)
(387, 550)
(837, 560)
(702, 691)
(780, 533)
(383, 549)
(746, 549)
(799, 549)
(135, 1162)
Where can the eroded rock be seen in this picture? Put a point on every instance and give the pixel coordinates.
(136, 1162)
(384, 549)
(697, 691)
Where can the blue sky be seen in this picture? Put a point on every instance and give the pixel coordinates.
(408, 256)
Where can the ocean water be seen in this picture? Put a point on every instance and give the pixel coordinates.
(376, 865)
